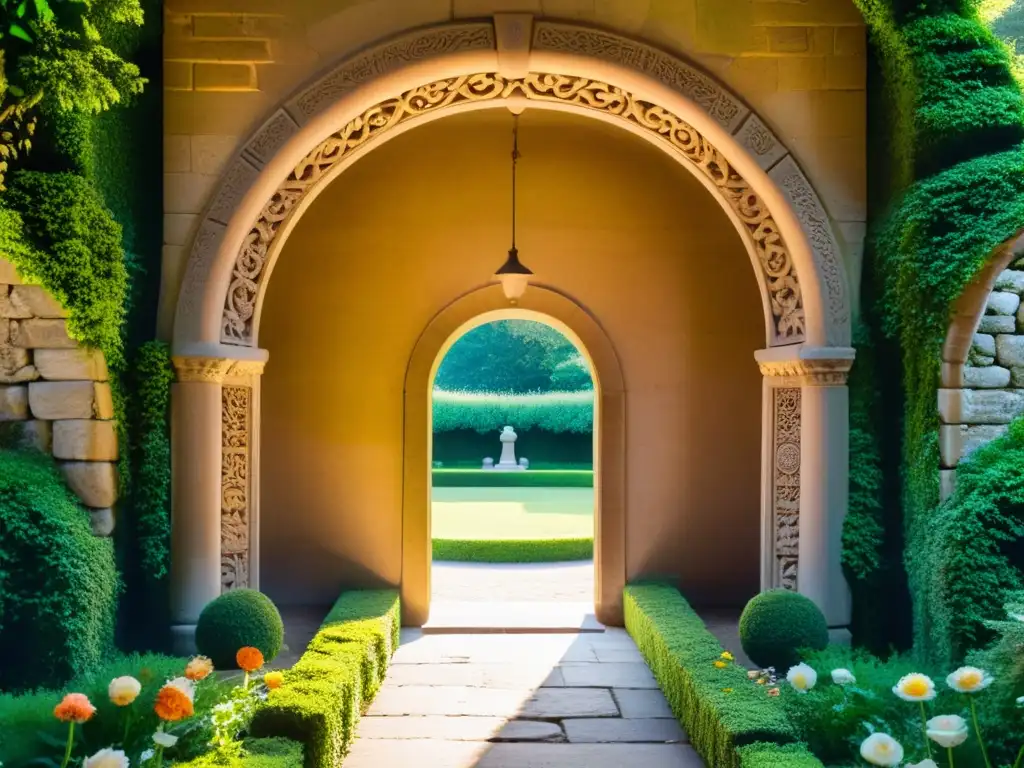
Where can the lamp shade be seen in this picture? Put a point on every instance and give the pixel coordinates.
(514, 276)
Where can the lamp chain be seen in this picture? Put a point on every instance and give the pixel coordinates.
(515, 158)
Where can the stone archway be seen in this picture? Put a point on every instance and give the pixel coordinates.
(484, 305)
(512, 61)
(981, 389)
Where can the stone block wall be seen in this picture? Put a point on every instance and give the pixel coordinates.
(992, 392)
(57, 394)
(800, 64)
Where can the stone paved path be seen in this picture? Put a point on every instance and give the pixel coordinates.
(582, 700)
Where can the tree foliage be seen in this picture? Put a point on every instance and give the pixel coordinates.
(515, 356)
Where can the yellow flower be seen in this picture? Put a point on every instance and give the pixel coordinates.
(727, 690)
(273, 680)
(914, 687)
(761, 681)
(124, 690)
(728, 656)
(969, 680)
(721, 664)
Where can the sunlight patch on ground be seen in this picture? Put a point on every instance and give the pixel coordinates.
(512, 513)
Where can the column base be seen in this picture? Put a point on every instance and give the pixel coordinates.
(183, 639)
(840, 636)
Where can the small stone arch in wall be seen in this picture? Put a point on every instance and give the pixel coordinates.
(982, 385)
(58, 393)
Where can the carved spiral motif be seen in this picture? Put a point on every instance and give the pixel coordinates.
(780, 276)
(787, 458)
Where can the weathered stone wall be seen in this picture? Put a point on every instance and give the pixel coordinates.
(993, 375)
(800, 64)
(57, 394)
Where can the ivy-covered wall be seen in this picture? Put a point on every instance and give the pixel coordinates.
(947, 184)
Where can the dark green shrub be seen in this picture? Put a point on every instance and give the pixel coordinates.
(338, 675)
(58, 583)
(236, 619)
(719, 708)
(251, 753)
(762, 755)
(777, 624)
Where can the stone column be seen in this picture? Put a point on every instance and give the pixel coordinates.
(195, 492)
(806, 473)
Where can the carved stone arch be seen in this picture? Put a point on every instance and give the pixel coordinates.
(429, 73)
(982, 381)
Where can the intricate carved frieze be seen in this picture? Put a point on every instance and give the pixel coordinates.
(786, 485)
(236, 418)
(808, 372)
(723, 107)
(207, 370)
(388, 57)
(779, 272)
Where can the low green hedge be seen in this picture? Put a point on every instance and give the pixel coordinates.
(767, 755)
(338, 675)
(720, 709)
(252, 753)
(531, 478)
(490, 411)
(513, 550)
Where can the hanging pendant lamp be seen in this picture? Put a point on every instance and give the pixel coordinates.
(514, 277)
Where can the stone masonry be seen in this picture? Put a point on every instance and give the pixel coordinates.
(993, 381)
(58, 393)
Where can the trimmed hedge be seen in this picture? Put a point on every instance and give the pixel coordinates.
(513, 550)
(58, 583)
(252, 753)
(767, 755)
(237, 619)
(531, 478)
(338, 675)
(489, 411)
(719, 708)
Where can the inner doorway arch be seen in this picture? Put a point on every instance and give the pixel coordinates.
(485, 305)
(511, 61)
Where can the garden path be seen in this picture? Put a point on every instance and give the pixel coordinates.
(582, 700)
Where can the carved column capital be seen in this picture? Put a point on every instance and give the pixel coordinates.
(213, 370)
(204, 370)
(807, 367)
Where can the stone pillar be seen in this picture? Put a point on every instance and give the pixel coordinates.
(806, 473)
(214, 454)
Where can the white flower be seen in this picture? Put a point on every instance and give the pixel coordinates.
(124, 690)
(802, 677)
(107, 758)
(947, 730)
(915, 687)
(881, 749)
(929, 763)
(164, 739)
(843, 677)
(146, 756)
(969, 680)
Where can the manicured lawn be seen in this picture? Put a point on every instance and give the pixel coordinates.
(513, 513)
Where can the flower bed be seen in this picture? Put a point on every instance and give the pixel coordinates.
(339, 674)
(711, 696)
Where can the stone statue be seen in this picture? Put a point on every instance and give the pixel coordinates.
(508, 450)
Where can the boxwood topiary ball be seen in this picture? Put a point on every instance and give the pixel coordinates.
(778, 623)
(236, 619)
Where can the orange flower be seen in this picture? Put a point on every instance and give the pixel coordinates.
(249, 659)
(773, 691)
(74, 708)
(273, 680)
(199, 668)
(174, 701)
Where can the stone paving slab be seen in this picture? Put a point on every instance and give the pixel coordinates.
(641, 704)
(616, 731)
(490, 675)
(458, 729)
(559, 703)
(449, 700)
(384, 753)
(608, 675)
(449, 616)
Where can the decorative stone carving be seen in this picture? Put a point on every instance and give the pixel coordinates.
(755, 137)
(725, 108)
(236, 415)
(824, 247)
(207, 370)
(240, 175)
(808, 372)
(271, 137)
(773, 255)
(386, 58)
(786, 485)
